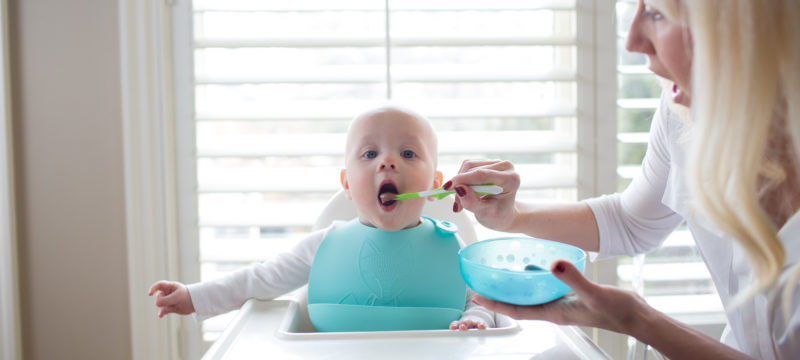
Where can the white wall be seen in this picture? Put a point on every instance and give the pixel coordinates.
(69, 179)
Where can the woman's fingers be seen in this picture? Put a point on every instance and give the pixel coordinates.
(514, 311)
(478, 173)
(570, 275)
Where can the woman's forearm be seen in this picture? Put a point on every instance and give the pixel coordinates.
(571, 223)
(679, 341)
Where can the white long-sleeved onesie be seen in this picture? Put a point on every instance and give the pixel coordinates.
(287, 272)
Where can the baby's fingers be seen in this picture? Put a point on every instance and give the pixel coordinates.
(163, 286)
(467, 324)
(165, 310)
(169, 299)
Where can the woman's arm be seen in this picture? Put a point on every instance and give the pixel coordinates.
(629, 223)
(679, 341)
(572, 223)
(620, 311)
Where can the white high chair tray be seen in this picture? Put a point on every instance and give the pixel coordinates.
(277, 330)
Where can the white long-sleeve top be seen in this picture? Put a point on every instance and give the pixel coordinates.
(285, 273)
(657, 201)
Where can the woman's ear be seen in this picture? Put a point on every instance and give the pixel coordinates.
(345, 184)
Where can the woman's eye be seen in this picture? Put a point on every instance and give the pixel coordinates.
(408, 154)
(371, 154)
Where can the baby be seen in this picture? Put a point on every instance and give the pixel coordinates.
(396, 258)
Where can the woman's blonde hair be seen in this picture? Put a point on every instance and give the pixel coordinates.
(746, 120)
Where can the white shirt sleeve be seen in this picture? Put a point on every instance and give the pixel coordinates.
(268, 280)
(475, 312)
(636, 220)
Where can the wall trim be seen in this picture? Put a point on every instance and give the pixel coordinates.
(10, 324)
(149, 161)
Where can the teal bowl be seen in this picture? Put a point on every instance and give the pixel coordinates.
(496, 269)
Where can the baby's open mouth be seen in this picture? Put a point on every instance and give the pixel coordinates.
(386, 194)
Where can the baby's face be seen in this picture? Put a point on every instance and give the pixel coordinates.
(389, 151)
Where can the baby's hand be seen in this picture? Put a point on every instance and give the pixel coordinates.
(464, 325)
(173, 297)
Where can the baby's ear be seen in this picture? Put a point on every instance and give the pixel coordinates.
(437, 183)
(345, 184)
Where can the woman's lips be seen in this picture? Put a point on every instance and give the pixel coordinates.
(678, 95)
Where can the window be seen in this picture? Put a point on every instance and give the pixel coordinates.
(275, 84)
(673, 278)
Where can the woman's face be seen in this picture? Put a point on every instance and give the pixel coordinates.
(668, 47)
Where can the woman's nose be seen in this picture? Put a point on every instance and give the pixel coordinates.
(638, 39)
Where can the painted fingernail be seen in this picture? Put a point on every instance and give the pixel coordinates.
(455, 207)
(560, 268)
(448, 184)
(460, 191)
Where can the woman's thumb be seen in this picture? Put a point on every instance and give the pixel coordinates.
(570, 275)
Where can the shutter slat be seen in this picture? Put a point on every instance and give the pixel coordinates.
(378, 41)
(494, 142)
(406, 5)
(638, 104)
(346, 109)
(322, 179)
(374, 74)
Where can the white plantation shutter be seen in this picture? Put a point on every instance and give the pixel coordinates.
(275, 84)
(674, 278)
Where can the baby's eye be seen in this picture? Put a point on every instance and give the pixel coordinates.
(408, 154)
(652, 13)
(370, 154)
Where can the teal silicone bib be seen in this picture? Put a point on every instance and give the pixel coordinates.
(367, 279)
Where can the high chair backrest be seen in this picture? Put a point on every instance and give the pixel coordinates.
(340, 208)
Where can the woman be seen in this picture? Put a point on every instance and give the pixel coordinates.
(731, 172)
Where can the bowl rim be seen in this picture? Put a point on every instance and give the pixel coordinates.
(581, 259)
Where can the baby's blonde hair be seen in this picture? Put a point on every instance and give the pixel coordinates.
(745, 99)
(386, 108)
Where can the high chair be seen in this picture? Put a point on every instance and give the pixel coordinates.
(281, 328)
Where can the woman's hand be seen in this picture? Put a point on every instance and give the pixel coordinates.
(493, 211)
(173, 297)
(591, 305)
(620, 311)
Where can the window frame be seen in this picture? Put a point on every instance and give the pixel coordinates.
(10, 324)
(156, 38)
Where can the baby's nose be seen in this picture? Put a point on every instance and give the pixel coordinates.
(388, 163)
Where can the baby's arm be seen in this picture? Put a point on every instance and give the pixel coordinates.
(286, 272)
(173, 297)
(474, 316)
